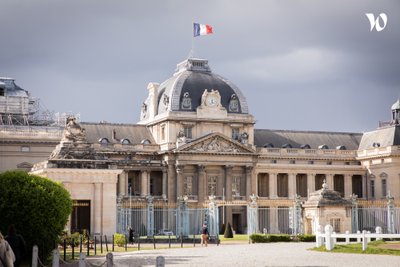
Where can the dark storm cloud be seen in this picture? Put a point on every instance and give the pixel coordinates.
(311, 65)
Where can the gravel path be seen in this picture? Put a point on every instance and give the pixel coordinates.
(237, 255)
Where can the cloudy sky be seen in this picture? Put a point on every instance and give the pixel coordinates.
(303, 65)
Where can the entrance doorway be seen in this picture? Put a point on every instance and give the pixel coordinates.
(236, 223)
(80, 217)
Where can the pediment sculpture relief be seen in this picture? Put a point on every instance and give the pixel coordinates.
(216, 144)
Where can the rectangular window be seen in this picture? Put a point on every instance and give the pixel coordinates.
(301, 184)
(163, 133)
(235, 133)
(372, 187)
(188, 186)
(212, 186)
(188, 132)
(236, 186)
(335, 224)
(263, 184)
(384, 188)
(283, 185)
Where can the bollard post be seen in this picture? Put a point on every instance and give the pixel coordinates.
(88, 248)
(112, 243)
(194, 240)
(95, 245)
(181, 240)
(318, 237)
(82, 258)
(138, 244)
(169, 240)
(73, 249)
(109, 259)
(347, 238)
(154, 242)
(56, 258)
(65, 249)
(358, 238)
(101, 244)
(126, 244)
(364, 241)
(160, 261)
(105, 239)
(378, 230)
(35, 251)
(80, 244)
(369, 238)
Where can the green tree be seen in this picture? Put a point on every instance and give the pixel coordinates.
(228, 231)
(38, 207)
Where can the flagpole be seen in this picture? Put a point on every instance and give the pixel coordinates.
(191, 54)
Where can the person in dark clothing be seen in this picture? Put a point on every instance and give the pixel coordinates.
(204, 235)
(17, 244)
(130, 235)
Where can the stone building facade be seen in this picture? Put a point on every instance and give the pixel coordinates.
(196, 138)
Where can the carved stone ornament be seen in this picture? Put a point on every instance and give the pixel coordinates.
(216, 145)
(166, 101)
(143, 112)
(186, 101)
(234, 104)
(73, 131)
(211, 99)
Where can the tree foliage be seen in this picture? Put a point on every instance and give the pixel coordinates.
(38, 207)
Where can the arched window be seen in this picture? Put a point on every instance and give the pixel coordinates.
(145, 142)
(104, 141)
(286, 146)
(306, 146)
(125, 141)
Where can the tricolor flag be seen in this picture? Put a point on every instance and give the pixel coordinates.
(201, 29)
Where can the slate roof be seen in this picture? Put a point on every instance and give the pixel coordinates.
(135, 133)
(296, 139)
(386, 136)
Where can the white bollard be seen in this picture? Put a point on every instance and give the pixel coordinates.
(358, 238)
(82, 258)
(110, 260)
(378, 230)
(364, 241)
(347, 237)
(369, 238)
(56, 258)
(35, 251)
(328, 239)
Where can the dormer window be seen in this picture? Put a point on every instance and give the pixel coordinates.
(286, 146)
(104, 141)
(125, 141)
(145, 142)
(306, 146)
(323, 147)
(268, 145)
(341, 148)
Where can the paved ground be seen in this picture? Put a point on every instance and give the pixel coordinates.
(237, 255)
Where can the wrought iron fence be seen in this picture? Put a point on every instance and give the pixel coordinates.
(369, 218)
(275, 220)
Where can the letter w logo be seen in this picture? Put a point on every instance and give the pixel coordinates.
(375, 23)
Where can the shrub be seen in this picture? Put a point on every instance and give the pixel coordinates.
(306, 238)
(38, 207)
(260, 238)
(119, 239)
(222, 229)
(228, 231)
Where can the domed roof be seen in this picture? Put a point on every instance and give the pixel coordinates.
(325, 197)
(396, 105)
(183, 91)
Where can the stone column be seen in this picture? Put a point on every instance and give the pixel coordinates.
(228, 185)
(273, 217)
(249, 170)
(172, 197)
(122, 190)
(272, 185)
(329, 180)
(164, 182)
(179, 180)
(98, 208)
(202, 192)
(144, 183)
(292, 185)
(348, 189)
(310, 183)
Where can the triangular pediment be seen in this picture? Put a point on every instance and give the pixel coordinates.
(215, 143)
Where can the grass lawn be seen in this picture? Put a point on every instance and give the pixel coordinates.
(236, 237)
(375, 247)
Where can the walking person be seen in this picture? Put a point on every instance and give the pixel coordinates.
(204, 235)
(17, 244)
(130, 235)
(7, 256)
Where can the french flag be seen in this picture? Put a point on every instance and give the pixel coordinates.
(201, 29)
